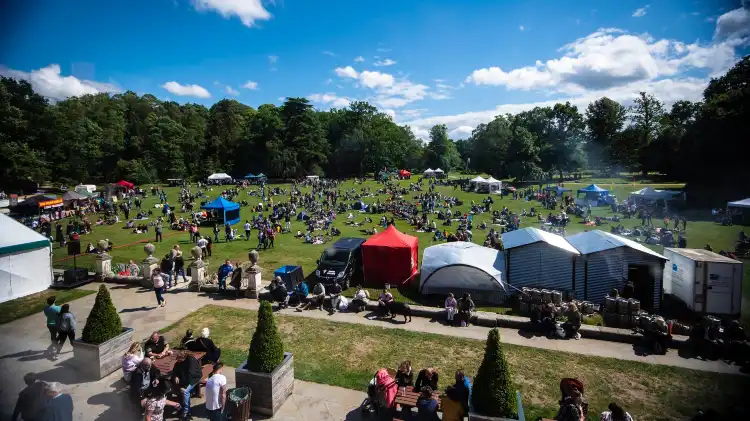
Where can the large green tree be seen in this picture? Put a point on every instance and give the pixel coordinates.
(605, 119)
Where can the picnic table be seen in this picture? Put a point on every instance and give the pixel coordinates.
(408, 398)
(166, 365)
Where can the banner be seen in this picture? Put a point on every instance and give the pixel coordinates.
(51, 203)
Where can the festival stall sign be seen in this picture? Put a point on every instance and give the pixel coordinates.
(51, 203)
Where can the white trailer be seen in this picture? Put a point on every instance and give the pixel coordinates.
(705, 281)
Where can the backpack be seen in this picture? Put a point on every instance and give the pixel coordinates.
(63, 323)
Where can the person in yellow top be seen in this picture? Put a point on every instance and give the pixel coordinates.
(451, 405)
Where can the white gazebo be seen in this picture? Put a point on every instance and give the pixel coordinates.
(25, 260)
(429, 172)
(476, 180)
(493, 185)
(439, 173)
(219, 176)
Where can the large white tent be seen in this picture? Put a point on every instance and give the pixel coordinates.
(429, 172)
(460, 267)
(744, 203)
(219, 176)
(25, 260)
(651, 194)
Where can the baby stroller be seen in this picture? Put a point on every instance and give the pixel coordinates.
(375, 402)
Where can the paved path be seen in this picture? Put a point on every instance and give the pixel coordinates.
(24, 341)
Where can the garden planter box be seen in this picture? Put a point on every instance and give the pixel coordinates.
(477, 417)
(99, 361)
(269, 390)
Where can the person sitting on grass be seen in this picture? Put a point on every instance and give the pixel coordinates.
(385, 301)
(427, 405)
(205, 344)
(300, 292)
(156, 346)
(318, 295)
(426, 377)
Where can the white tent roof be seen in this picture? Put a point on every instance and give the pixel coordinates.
(429, 170)
(651, 193)
(219, 176)
(597, 240)
(488, 263)
(312, 176)
(492, 180)
(439, 170)
(477, 179)
(744, 203)
(530, 235)
(17, 237)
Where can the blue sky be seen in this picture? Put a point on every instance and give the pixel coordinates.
(424, 62)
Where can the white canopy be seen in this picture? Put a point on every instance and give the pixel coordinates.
(493, 180)
(653, 194)
(744, 203)
(439, 170)
(25, 260)
(477, 179)
(461, 265)
(219, 176)
(429, 170)
(312, 177)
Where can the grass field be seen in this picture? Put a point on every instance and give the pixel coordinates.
(347, 355)
(35, 303)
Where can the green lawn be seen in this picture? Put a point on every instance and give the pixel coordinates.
(35, 303)
(291, 251)
(347, 355)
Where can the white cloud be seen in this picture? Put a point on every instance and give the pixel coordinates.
(248, 11)
(186, 90)
(347, 71)
(250, 85)
(641, 11)
(390, 112)
(521, 28)
(231, 91)
(386, 62)
(273, 59)
(49, 82)
(329, 53)
(370, 79)
(359, 59)
(330, 99)
(734, 24)
(608, 58)
(413, 113)
(461, 132)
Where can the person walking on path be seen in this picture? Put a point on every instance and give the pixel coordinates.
(66, 328)
(51, 311)
(158, 282)
(31, 401)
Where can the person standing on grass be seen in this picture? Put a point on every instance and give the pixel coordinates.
(51, 311)
(216, 232)
(66, 328)
(216, 393)
(158, 232)
(247, 230)
(228, 232)
(158, 282)
(203, 244)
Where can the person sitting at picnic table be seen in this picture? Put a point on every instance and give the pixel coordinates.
(465, 308)
(452, 405)
(387, 386)
(142, 378)
(300, 292)
(156, 346)
(187, 339)
(318, 295)
(426, 377)
(463, 389)
(385, 300)
(186, 375)
(224, 271)
(450, 307)
(359, 302)
(205, 344)
(131, 360)
(279, 292)
(405, 374)
(156, 401)
(427, 405)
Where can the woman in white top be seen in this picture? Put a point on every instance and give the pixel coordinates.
(130, 360)
(216, 392)
(158, 281)
(450, 306)
(615, 413)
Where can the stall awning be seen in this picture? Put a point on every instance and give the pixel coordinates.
(744, 203)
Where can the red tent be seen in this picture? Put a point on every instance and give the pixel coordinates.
(125, 184)
(404, 174)
(390, 257)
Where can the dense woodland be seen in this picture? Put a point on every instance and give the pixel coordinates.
(105, 137)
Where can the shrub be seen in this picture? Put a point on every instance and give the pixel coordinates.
(266, 349)
(103, 323)
(492, 393)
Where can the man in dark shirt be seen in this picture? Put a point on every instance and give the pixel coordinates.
(186, 374)
(205, 344)
(59, 406)
(426, 377)
(31, 400)
(157, 347)
(142, 379)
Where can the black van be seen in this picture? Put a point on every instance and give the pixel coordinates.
(341, 262)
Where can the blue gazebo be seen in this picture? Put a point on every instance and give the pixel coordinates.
(594, 193)
(229, 211)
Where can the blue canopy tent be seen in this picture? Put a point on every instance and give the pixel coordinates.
(229, 211)
(250, 175)
(594, 193)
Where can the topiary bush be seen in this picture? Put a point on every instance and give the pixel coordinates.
(103, 322)
(266, 349)
(492, 394)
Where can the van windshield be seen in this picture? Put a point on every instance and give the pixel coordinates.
(336, 257)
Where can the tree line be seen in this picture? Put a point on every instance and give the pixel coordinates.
(105, 137)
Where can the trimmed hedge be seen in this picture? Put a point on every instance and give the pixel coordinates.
(103, 322)
(492, 394)
(266, 349)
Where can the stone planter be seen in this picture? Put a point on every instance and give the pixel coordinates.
(98, 361)
(269, 390)
(477, 417)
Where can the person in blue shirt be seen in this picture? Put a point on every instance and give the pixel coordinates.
(224, 271)
(60, 405)
(300, 292)
(427, 406)
(51, 311)
(463, 386)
